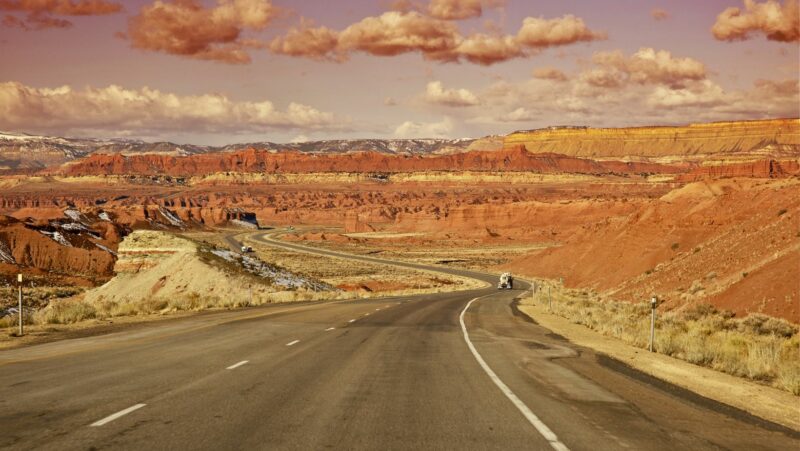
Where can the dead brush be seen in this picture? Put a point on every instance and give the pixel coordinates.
(757, 347)
(65, 312)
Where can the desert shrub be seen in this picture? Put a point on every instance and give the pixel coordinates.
(765, 325)
(65, 312)
(758, 347)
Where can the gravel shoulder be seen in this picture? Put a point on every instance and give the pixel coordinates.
(764, 402)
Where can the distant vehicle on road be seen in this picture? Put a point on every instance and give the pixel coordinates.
(246, 249)
(506, 281)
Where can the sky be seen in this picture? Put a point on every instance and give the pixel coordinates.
(233, 71)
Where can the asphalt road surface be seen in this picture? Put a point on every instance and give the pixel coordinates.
(445, 371)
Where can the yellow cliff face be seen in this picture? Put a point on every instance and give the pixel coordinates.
(693, 140)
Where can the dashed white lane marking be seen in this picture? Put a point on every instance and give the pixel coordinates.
(237, 365)
(113, 417)
(545, 431)
(292, 343)
(377, 309)
(330, 328)
(352, 321)
(366, 314)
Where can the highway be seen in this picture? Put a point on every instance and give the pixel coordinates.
(458, 370)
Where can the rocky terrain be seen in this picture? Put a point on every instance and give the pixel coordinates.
(703, 213)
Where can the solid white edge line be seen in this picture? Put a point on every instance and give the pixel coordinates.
(545, 431)
(292, 343)
(352, 321)
(237, 365)
(330, 328)
(114, 416)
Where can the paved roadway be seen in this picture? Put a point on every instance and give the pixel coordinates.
(396, 373)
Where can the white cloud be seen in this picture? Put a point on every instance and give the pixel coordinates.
(146, 111)
(435, 93)
(411, 129)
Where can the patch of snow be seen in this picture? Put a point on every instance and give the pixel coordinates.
(224, 254)
(110, 251)
(245, 224)
(174, 220)
(73, 227)
(75, 215)
(5, 254)
(57, 237)
(104, 216)
(259, 268)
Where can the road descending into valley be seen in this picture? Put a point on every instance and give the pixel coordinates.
(460, 370)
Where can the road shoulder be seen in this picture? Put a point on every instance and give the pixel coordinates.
(765, 402)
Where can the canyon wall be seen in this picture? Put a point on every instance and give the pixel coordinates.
(691, 140)
(252, 160)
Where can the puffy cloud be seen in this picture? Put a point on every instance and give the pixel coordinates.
(187, 28)
(521, 114)
(539, 33)
(549, 73)
(393, 33)
(39, 13)
(660, 14)
(702, 94)
(486, 50)
(145, 111)
(435, 93)
(411, 129)
(316, 43)
(406, 31)
(461, 9)
(778, 22)
(647, 66)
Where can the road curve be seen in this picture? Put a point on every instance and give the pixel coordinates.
(422, 372)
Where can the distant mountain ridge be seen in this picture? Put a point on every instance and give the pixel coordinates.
(20, 151)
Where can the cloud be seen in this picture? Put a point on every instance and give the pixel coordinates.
(778, 22)
(318, 43)
(148, 112)
(436, 94)
(659, 14)
(549, 73)
(39, 13)
(407, 31)
(521, 114)
(390, 101)
(187, 28)
(647, 66)
(394, 33)
(540, 33)
(486, 50)
(703, 94)
(578, 103)
(461, 9)
(411, 129)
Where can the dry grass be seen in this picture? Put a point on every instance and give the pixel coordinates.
(757, 347)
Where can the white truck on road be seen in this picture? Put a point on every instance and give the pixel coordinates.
(506, 281)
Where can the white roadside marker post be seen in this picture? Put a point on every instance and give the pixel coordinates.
(19, 280)
(653, 305)
(549, 299)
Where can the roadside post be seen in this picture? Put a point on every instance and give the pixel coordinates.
(549, 299)
(653, 305)
(19, 282)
